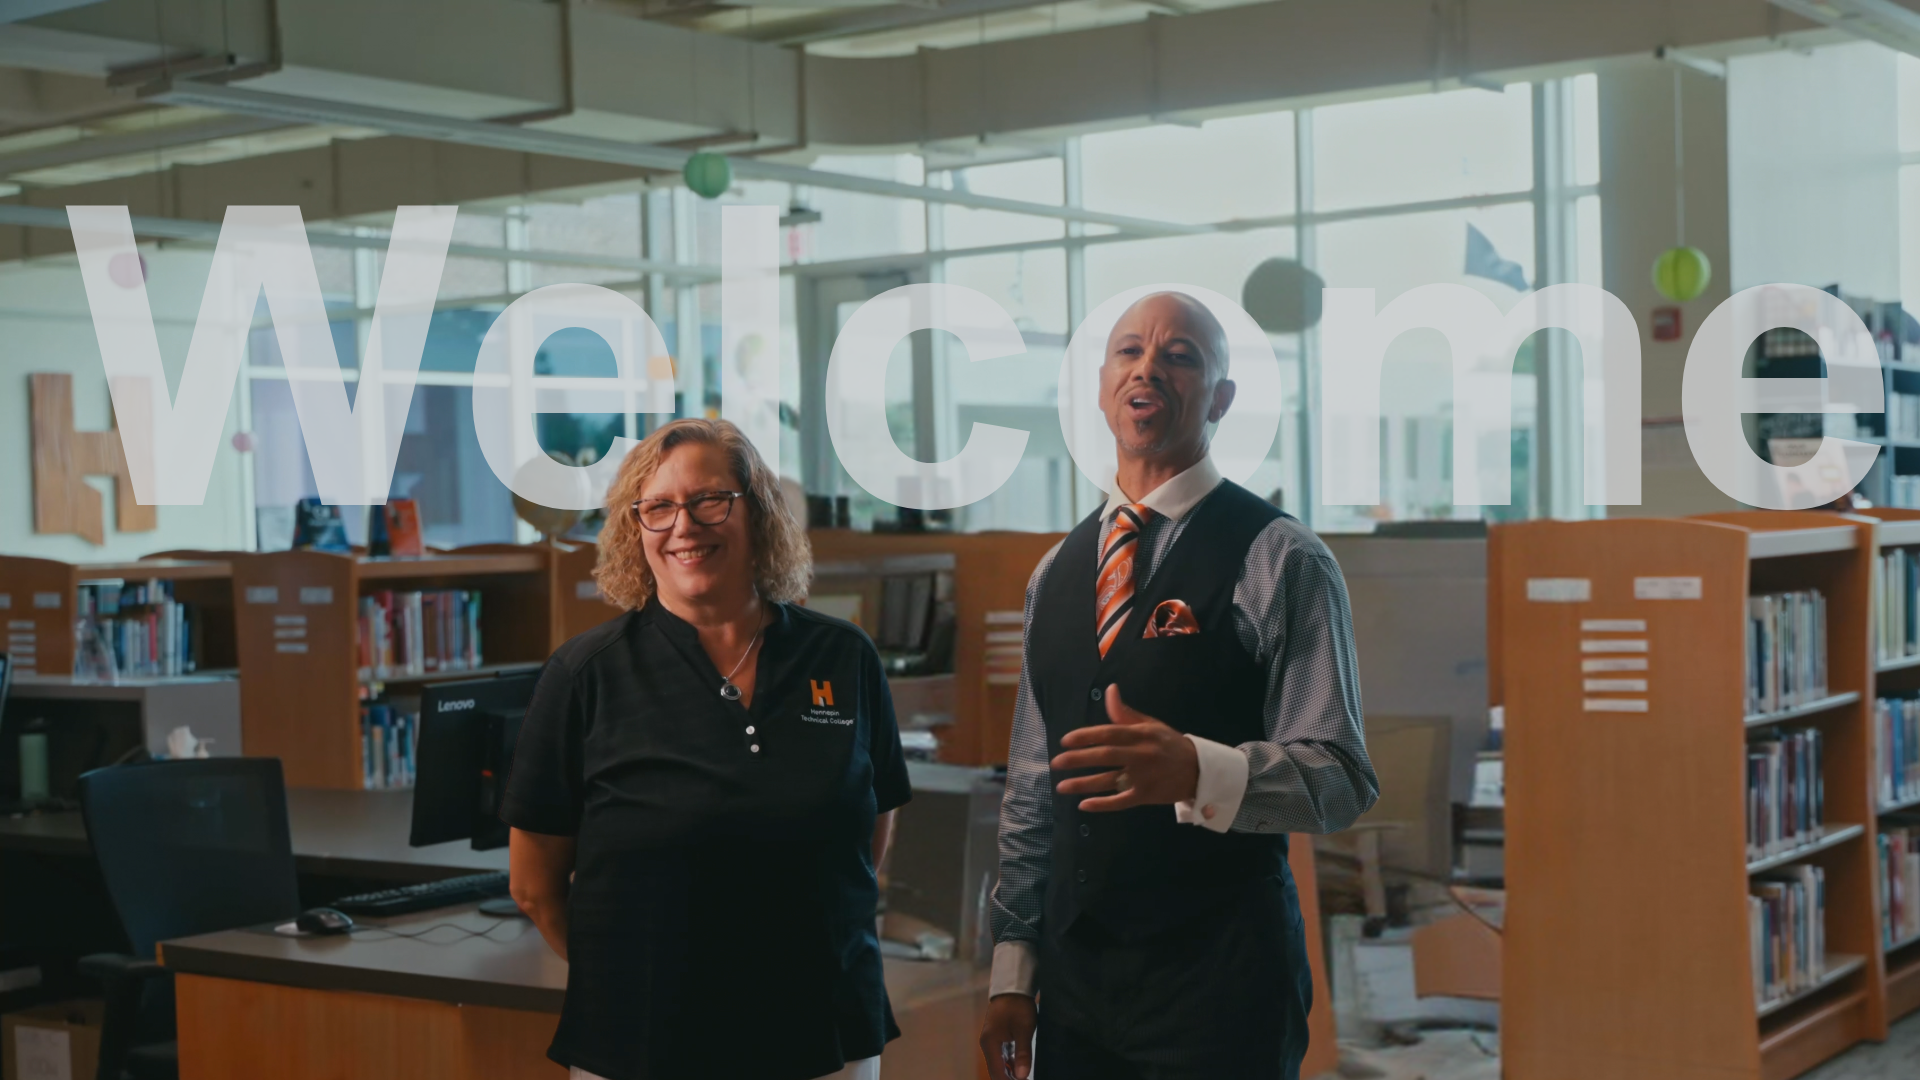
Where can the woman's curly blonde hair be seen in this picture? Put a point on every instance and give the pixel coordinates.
(782, 559)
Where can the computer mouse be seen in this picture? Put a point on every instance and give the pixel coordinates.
(324, 920)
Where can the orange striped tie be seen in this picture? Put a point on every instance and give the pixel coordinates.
(1113, 598)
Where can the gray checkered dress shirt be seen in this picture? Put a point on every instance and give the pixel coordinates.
(1310, 775)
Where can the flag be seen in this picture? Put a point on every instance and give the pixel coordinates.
(1484, 261)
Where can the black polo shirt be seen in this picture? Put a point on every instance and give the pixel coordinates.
(721, 917)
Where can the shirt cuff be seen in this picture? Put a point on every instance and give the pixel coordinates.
(1223, 783)
(1016, 967)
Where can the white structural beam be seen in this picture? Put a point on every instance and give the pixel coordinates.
(163, 137)
(208, 232)
(511, 137)
(596, 71)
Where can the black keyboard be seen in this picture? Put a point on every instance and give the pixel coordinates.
(425, 896)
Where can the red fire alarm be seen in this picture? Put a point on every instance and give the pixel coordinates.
(1666, 324)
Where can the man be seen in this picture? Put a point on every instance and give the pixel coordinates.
(1189, 698)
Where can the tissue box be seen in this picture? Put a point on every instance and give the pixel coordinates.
(52, 1042)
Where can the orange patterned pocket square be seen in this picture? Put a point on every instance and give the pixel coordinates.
(1171, 618)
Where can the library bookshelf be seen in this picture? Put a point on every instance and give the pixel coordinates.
(576, 605)
(1627, 949)
(297, 615)
(39, 602)
(1895, 528)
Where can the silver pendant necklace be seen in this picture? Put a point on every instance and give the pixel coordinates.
(727, 689)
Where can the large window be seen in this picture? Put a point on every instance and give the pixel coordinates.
(1386, 194)
(1909, 112)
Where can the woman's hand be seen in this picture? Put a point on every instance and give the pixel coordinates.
(539, 875)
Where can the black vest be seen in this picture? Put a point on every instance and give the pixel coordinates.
(1139, 871)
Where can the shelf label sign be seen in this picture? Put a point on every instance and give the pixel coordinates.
(1611, 645)
(1559, 590)
(1666, 588)
(1615, 705)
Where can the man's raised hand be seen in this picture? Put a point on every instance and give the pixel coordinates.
(1145, 762)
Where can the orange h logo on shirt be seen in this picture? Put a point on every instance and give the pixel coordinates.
(822, 692)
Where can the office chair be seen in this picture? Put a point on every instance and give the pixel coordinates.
(185, 847)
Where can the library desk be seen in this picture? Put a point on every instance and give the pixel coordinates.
(451, 1005)
(344, 842)
(339, 834)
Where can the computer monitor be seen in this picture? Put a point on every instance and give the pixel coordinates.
(467, 734)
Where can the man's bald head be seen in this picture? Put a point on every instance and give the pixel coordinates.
(1164, 380)
(1179, 312)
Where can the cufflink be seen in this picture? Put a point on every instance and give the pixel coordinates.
(1208, 811)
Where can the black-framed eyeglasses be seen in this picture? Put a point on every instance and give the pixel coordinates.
(711, 508)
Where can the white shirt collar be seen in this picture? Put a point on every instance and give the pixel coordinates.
(1175, 497)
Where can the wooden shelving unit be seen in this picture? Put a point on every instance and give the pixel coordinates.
(297, 618)
(1626, 948)
(576, 605)
(1900, 966)
(38, 603)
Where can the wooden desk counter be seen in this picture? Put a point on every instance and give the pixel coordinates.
(444, 1006)
(509, 968)
(360, 834)
(453, 1005)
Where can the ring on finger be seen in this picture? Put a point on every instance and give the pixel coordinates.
(1121, 781)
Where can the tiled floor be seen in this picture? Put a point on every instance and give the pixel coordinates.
(1439, 1055)
(1460, 1055)
(1383, 969)
(1896, 1059)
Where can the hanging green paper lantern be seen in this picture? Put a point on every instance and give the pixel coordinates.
(707, 174)
(1682, 273)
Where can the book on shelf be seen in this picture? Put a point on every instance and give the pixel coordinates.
(1896, 750)
(419, 633)
(402, 517)
(127, 630)
(1785, 341)
(394, 530)
(1904, 491)
(1786, 650)
(389, 733)
(1899, 883)
(1903, 415)
(1785, 792)
(1787, 927)
(319, 527)
(1896, 603)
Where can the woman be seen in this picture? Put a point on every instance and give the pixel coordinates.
(702, 788)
